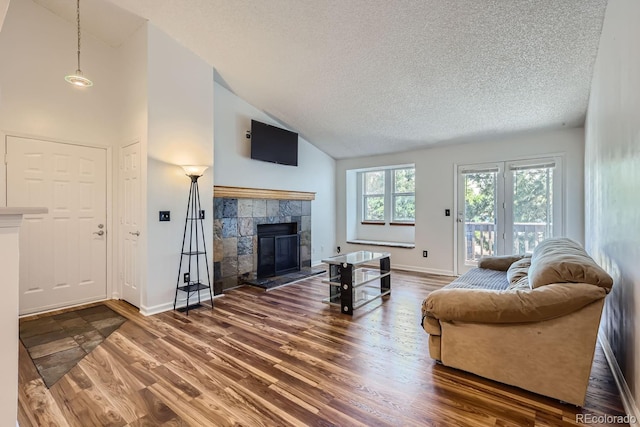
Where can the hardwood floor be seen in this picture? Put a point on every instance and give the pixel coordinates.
(281, 358)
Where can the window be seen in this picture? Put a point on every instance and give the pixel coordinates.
(388, 195)
(373, 196)
(404, 199)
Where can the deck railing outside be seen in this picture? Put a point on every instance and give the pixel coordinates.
(481, 238)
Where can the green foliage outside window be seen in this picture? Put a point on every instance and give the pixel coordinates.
(374, 196)
(404, 201)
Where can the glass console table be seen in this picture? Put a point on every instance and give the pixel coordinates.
(351, 285)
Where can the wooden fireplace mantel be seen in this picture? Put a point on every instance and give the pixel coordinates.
(261, 193)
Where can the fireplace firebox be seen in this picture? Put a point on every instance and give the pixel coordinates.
(278, 249)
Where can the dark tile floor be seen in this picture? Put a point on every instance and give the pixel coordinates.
(58, 342)
(285, 279)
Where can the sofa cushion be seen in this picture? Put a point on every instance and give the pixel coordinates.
(518, 270)
(531, 305)
(562, 260)
(500, 263)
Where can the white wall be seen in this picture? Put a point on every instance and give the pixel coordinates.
(612, 166)
(234, 167)
(180, 132)
(435, 190)
(38, 49)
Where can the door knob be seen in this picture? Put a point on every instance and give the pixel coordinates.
(137, 233)
(99, 233)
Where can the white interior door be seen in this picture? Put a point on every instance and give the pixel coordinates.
(130, 223)
(62, 253)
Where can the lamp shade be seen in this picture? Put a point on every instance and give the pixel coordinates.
(193, 170)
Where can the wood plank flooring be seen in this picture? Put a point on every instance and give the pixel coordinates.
(281, 358)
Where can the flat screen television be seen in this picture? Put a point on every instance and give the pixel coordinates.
(273, 144)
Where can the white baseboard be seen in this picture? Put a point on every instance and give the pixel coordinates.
(435, 271)
(628, 402)
(168, 306)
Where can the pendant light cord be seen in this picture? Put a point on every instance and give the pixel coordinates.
(78, 21)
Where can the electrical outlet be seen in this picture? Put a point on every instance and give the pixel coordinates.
(447, 212)
(425, 253)
(187, 277)
(164, 216)
(202, 214)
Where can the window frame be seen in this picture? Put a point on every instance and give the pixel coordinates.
(394, 194)
(389, 196)
(364, 195)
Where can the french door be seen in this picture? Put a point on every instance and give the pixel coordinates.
(507, 207)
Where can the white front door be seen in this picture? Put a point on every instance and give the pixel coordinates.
(62, 253)
(130, 223)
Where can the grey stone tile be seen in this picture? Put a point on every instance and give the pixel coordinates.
(45, 337)
(273, 208)
(229, 267)
(229, 247)
(229, 208)
(245, 246)
(298, 221)
(245, 208)
(218, 251)
(306, 207)
(52, 374)
(66, 316)
(229, 227)
(217, 271)
(217, 228)
(306, 223)
(305, 253)
(230, 282)
(245, 264)
(305, 238)
(259, 208)
(245, 227)
(52, 347)
(72, 355)
(89, 341)
(107, 326)
(218, 206)
(290, 207)
(29, 328)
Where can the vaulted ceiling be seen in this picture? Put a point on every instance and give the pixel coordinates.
(365, 77)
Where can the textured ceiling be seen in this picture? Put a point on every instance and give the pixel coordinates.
(363, 77)
(100, 18)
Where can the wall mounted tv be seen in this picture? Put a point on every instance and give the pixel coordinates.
(273, 144)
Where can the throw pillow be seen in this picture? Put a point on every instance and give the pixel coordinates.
(518, 270)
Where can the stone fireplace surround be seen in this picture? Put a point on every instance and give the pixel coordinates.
(236, 219)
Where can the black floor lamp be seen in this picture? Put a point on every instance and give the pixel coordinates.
(193, 247)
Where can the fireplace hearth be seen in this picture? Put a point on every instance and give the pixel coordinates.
(278, 249)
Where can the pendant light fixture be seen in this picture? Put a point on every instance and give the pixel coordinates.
(78, 79)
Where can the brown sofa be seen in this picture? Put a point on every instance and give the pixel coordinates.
(529, 322)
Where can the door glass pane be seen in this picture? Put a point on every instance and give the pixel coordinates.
(479, 215)
(532, 208)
